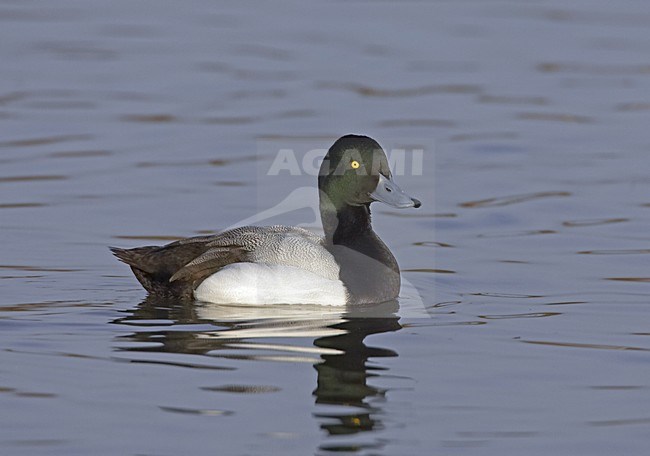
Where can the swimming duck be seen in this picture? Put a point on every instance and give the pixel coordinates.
(287, 264)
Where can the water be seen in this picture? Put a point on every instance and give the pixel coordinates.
(134, 123)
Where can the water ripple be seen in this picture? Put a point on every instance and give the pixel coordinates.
(510, 99)
(54, 177)
(594, 222)
(507, 295)
(634, 106)
(20, 205)
(513, 199)
(191, 411)
(620, 422)
(516, 233)
(430, 271)
(416, 123)
(369, 91)
(555, 117)
(432, 244)
(44, 140)
(522, 315)
(629, 279)
(615, 252)
(581, 345)
(243, 389)
(593, 69)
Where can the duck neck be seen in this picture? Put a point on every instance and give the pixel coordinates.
(368, 269)
(345, 223)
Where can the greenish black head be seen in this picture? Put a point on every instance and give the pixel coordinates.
(355, 172)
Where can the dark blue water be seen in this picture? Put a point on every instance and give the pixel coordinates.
(524, 325)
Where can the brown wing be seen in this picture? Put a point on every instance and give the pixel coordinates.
(208, 263)
(176, 268)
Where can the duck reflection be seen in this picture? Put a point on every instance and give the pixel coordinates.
(338, 353)
(343, 378)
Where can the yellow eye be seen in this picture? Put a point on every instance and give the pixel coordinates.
(354, 164)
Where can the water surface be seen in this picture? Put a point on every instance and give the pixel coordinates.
(527, 330)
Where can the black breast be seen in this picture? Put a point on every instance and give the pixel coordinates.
(368, 268)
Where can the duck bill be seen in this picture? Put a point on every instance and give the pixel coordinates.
(388, 192)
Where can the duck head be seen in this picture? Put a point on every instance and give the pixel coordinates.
(355, 172)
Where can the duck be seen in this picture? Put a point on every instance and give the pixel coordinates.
(259, 265)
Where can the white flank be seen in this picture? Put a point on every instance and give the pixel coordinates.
(256, 284)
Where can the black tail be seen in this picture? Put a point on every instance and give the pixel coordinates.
(133, 257)
(152, 268)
